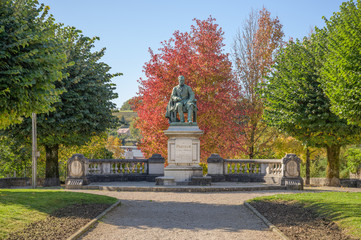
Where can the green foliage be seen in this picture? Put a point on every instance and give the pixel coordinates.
(134, 132)
(296, 102)
(20, 207)
(317, 167)
(128, 115)
(342, 207)
(342, 68)
(353, 157)
(204, 168)
(32, 58)
(15, 157)
(85, 108)
(126, 106)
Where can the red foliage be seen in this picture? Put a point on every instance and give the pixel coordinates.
(199, 57)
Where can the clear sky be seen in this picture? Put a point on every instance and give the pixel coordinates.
(129, 28)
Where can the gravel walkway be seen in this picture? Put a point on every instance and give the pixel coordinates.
(164, 215)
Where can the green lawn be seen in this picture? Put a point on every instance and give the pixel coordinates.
(19, 207)
(344, 208)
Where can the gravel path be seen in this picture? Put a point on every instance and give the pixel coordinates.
(164, 215)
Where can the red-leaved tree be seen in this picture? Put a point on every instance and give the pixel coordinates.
(198, 56)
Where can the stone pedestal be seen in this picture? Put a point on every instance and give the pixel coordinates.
(77, 170)
(183, 153)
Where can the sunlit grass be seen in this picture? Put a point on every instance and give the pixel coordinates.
(344, 208)
(19, 207)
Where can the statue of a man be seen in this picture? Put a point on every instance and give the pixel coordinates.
(181, 101)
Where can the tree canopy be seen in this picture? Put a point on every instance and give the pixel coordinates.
(198, 56)
(85, 106)
(126, 105)
(254, 49)
(342, 67)
(297, 104)
(31, 60)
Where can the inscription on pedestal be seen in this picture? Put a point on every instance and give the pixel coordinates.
(183, 150)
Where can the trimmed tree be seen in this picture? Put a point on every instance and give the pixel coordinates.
(341, 72)
(85, 107)
(31, 60)
(296, 104)
(198, 56)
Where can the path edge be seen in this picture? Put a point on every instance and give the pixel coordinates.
(90, 224)
(268, 223)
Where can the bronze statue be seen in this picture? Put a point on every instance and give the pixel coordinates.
(181, 101)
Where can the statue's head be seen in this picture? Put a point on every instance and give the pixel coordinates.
(181, 80)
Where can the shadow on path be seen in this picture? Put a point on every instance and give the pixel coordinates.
(143, 214)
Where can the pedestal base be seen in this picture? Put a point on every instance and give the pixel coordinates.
(183, 173)
(183, 155)
(195, 181)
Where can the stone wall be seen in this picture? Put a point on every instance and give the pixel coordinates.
(18, 182)
(320, 182)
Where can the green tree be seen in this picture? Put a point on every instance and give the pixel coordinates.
(126, 105)
(353, 157)
(342, 67)
(297, 104)
(85, 107)
(31, 60)
(14, 157)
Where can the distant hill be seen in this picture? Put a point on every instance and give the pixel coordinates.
(128, 115)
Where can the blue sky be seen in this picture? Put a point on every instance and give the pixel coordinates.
(129, 28)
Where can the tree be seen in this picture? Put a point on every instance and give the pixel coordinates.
(198, 56)
(14, 157)
(114, 145)
(85, 107)
(296, 103)
(253, 54)
(341, 72)
(126, 105)
(31, 60)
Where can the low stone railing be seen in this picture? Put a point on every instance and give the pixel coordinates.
(285, 171)
(118, 166)
(82, 171)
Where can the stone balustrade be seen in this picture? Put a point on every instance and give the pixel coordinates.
(285, 171)
(118, 166)
(82, 171)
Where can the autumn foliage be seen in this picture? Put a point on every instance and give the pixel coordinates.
(198, 56)
(253, 53)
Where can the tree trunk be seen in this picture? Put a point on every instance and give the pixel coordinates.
(52, 166)
(333, 165)
(251, 147)
(308, 163)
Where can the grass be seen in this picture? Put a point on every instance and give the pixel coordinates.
(344, 208)
(19, 207)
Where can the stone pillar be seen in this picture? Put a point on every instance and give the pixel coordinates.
(77, 171)
(291, 174)
(183, 153)
(215, 168)
(155, 167)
